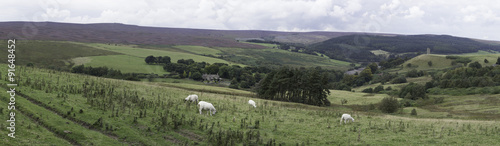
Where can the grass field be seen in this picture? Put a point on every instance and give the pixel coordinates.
(440, 62)
(125, 63)
(200, 50)
(132, 60)
(355, 98)
(143, 53)
(269, 46)
(53, 54)
(123, 121)
(27, 131)
(277, 56)
(381, 52)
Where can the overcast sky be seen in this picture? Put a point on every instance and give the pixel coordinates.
(476, 19)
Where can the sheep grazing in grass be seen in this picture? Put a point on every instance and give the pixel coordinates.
(192, 98)
(346, 117)
(202, 105)
(251, 102)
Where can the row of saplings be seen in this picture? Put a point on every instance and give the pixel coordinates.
(203, 105)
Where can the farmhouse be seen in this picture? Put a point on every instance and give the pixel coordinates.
(211, 78)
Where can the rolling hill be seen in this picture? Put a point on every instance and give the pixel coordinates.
(358, 47)
(61, 108)
(132, 34)
(64, 108)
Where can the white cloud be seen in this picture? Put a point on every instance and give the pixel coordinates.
(414, 12)
(393, 5)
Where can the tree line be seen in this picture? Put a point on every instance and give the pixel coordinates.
(104, 72)
(464, 77)
(308, 86)
(240, 77)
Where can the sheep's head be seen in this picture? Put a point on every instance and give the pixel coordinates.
(187, 98)
(214, 112)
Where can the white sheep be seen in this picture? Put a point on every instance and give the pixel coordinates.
(192, 98)
(346, 117)
(202, 105)
(251, 102)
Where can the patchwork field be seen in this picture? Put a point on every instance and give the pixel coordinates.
(280, 57)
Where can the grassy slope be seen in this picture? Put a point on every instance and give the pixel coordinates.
(270, 46)
(133, 58)
(51, 53)
(440, 62)
(126, 64)
(27, 131)
(355, 98)
(254, 56)
(200, 50)
(295, 123)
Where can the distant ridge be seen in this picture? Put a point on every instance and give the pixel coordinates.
(133, 34)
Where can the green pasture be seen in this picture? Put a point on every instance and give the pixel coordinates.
(200, 50)
(131, 50)
(125, 63)
(283, 57)
(282, 122)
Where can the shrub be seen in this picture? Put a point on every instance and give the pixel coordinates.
(429, 85)
(407, 103)
(389, 105)
(388, 88)
(398, 80)
(475, 65)
(438, 100)
(413, 91)
(378, 89)
(343, 101)
(234, 86)
(368, 90)
(414, 112)
(408, 65)
(452, 57)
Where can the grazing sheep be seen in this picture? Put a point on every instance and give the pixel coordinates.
(192, 98)
(251, 102)
(202, 105)
(346, 117)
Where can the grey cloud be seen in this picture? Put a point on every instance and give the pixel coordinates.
(478, 19)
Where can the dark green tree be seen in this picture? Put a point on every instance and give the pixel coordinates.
(475, 65)
(413, 91)
(212, 69)
(150, 59)
(378, 89)
(373, 67)
(165, 60)
(389, 105)
(196, 76)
